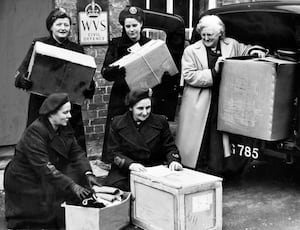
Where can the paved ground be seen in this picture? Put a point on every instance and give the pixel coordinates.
(266, 197)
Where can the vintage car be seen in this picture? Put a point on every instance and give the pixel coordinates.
(274, 25)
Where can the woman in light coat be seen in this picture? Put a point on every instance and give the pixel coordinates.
(200, 144)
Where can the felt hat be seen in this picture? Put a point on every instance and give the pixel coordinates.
(55, 14)
(136, 95)
(53, 102)
(131, 12)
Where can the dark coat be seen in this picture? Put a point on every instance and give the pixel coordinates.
(37, 179)
(117, 49)
(35, 101)
(152, 144)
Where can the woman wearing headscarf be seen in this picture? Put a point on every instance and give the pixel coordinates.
(201, 145)
(139, 138)
(131, 18)
(48, 168)
(58, 24)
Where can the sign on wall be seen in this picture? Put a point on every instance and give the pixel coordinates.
(93, 22)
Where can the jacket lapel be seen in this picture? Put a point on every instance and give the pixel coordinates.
(226, 48)
(57, 142)
(129, 132)
(150, 129)
(201, 53)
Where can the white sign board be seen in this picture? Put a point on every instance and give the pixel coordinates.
(93, 30)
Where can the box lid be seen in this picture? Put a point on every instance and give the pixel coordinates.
(64, 54)
(177, 179)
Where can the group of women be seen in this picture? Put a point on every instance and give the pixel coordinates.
(50, 165)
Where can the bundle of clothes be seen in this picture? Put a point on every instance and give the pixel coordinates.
(104, 196)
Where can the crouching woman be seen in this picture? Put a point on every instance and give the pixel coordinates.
(139, 139)
(48, 168)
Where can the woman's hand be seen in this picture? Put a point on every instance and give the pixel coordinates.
(80, 191)
(175, 166)
(92, 180)
(218, 64)
(258, 53)
(137, 167)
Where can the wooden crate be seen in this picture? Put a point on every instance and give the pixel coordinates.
(109, 218)
(53, 69)
(183, 200)
(256, 98)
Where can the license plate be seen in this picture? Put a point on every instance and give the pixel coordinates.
(245, 151)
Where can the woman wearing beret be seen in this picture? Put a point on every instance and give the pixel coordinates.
(131, 18)
(58, 24)
(48, 168)
(139, 139)
(201, 145)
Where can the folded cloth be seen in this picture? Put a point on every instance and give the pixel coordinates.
(107, 189)
(108, 197)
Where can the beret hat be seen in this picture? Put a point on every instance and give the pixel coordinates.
(53, 102)
(131, 12)
(135, 95)
(55, 14)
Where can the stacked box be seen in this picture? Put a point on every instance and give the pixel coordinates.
(256, 98)
(182, 200)
(109, 218)
(146, 65)
(53, 69)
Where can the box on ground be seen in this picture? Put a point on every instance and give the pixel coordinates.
(53, 69)
(256, 98)
(146, 65)
(180, 200)
(109, 218)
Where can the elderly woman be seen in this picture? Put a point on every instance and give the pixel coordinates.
(58, 24)
(48, 168)
(200, 144)
(139, 139)
(131, 18)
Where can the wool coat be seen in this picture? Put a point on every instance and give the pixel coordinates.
(151, 144)
(35, 101)
(196, 99)
(37, 179)
(117, 48)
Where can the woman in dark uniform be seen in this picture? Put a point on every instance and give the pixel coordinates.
(58, 24)
(137, 139)
(131, 18)
(48, 168)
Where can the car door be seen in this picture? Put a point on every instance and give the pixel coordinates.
(174, 29)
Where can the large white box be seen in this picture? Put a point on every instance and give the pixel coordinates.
(53, 69)
(146, 65)
(257, 98)
(176, 200)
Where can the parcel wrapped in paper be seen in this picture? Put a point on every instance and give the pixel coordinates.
(146, 65)
(257, 97)
(53, 69)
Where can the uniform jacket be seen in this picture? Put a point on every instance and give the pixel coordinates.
(151, 145)
(196, 97)
(117, 48)
(35, 101)
(36, 180)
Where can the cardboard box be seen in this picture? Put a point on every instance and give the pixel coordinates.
(53, 69)
(146, 65)
(256, 98)
(109, 218)
(182, 200)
